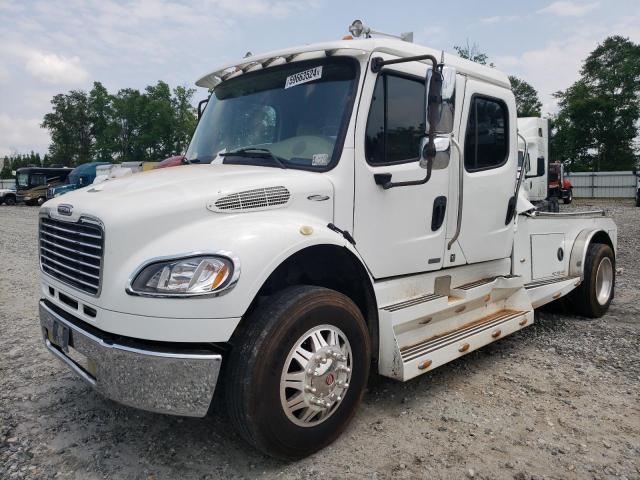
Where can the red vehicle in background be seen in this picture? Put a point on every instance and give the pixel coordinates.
(174, 161)
(559, 186)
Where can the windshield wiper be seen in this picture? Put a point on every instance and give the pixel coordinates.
(251, 152)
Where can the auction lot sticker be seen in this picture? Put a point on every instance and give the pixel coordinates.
(303, 77)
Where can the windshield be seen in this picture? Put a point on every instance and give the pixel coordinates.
(296, 113)
(23, 179)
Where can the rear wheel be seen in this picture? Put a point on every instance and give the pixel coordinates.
(10, 200)
(593, 297)
(297, 371)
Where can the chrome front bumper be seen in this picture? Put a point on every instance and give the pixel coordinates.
(157, 378)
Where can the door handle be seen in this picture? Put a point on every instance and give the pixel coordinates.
(439, 209)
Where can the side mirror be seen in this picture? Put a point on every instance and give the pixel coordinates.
(441, 99)
(442, 144)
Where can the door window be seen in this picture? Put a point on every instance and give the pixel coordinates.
(395, 125)
(486, 144)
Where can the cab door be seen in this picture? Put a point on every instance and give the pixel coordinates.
(401, 230)
(490, 165)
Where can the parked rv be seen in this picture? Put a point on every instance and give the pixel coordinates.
(81, 176)
(32, 183)
(342, 226)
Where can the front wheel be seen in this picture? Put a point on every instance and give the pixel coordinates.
(297, 371)
(10, 200)
(569, 198)
(593, 297)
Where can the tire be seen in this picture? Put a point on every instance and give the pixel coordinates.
(569, 198)
(261, 351)
(638, 198)
(10, 200)
(591, 299)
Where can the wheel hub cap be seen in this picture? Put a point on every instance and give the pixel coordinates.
(604, 280)
(316, 375)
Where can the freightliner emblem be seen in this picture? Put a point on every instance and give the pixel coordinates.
(65, 209)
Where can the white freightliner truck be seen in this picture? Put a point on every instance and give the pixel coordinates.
(335, 231)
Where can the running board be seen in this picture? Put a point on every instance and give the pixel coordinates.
(440, 349)
(546, 291)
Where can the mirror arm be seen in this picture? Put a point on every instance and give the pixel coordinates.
(378, 62)
(460, 191)
(200, 107)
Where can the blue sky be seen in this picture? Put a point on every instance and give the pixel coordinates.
(51, 46)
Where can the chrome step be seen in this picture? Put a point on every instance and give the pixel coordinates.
(548, 281)
(411, 302)
(438, 341)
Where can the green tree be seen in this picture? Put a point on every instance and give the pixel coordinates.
(186, 118)
(70, 128)
(527, 100)
(472, 52)
(101, 118)
(128, 107)
(597, 123)
(128, 126)
(158, 122)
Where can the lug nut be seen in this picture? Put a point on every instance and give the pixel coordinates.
(311, 371)
(344, 369)
(310, 389)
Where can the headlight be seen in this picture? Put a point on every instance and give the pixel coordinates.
(186, 276)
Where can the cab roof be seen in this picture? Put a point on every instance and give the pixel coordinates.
(360, 47)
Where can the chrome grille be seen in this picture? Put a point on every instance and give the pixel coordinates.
(72, 252)
(251, 199)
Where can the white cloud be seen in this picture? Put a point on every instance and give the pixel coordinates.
(569, 9)
(21, 135)
(4, 74)
(56, 69)
(499, 19)
(556, 65)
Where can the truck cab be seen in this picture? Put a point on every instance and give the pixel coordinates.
(349, 206)
(559, 185)
(81, 176)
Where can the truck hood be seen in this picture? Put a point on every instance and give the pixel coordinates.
(176, 196)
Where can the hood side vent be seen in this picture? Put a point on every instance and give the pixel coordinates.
(258, 198)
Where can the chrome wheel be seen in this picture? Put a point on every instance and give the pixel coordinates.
(316, 375)
(604, 280)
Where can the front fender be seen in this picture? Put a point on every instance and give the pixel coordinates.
(260, 240)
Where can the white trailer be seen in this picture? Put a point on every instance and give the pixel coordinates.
(332, 233)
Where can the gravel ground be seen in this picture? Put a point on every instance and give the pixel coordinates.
(558, 400)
